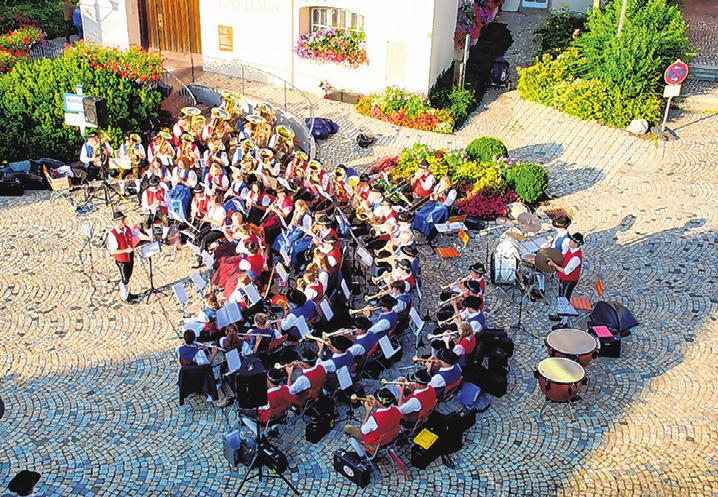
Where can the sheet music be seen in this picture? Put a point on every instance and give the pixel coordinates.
(345, 289)
(207, 260)
(386, 347)
(442, 227)
(149, 250)
(194, 324)
(198, 281)
(222, 318)
(345, 379)
(283, 253)
(326, 309)
(301, 325)
(86, 229)
(233, 361)
(249, 423)
(365, 257)
(416, 319)
(234, 313)
(281, 272)
(252, 294)
(180, 293)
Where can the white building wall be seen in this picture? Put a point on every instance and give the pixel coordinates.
(111, 22)
(442, 49)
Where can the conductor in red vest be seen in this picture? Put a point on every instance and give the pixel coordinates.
(121, 242)
(569, 271)
(379, 427)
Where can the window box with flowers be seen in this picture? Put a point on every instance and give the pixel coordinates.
(338, 46)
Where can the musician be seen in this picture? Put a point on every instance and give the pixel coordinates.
(154, 203)
(217, 127)
(421, 399)
(300, 225)
(465, 345)
(472, 313)
(363, 188)
(267, 164)
(379, 427)
(94, 153)
(299, 306)
(247, 148)
(403, 298)
(183, 174)
(279, 398)
(133, 150)
(476, 274)
(342, 191)
(365, 342)
(281, 207)
(309, 384)
(211, 229)
(313, 288)
(215, 180)
(422, 182)
(187, 353)
(161, 149)
(340, 356)
(569, 271)
(386, 320)
(188, 150)
(239, 187)
(253, 263)
(260, 329)
(215, 153)
(200, 201)
(121, 243)
(448, 373)
(561, 241)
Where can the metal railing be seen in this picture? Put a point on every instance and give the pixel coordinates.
(45, 50)
(179, 95)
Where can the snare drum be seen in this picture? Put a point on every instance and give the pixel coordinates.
(572, 344)
(560, 378)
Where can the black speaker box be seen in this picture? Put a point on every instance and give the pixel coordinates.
(355, 468)
(95, 111)
(273, 458)
(251, 384)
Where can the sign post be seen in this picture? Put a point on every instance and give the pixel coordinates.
(674, 76)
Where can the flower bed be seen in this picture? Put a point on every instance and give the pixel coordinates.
(16, 45)
(135, 64)
(471, 17)
(405, 109)
(333, 45)
(485, 188)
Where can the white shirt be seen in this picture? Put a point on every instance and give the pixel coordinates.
(217, 216)
(328, 365)
(400, 305)
(324, 278)
(411, 405)
(356, 350)
(300, 384)
(437, 381)
(475, 325)
(380, 326)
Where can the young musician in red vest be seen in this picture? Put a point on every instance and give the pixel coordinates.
(310, 383)
(423, 180)
(569, 271)
(421, 400)
(154, 203)
(121, 243)
(379, 427)
(279, 399)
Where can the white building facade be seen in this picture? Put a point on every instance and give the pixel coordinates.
(408, 42)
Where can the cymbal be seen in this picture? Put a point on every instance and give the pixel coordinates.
(529, 222)
(546, 254)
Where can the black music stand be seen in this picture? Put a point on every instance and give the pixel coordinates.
(147, 252)
(521, 288)
(88, 230)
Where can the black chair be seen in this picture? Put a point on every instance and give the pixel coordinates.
(196, 379)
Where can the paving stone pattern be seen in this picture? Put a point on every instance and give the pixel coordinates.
(89, 384)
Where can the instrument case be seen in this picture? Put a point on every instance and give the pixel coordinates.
(318, 429)
(352, 466)
(610, 346)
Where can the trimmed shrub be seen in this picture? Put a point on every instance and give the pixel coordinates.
(585, 99)
(44, 13)
(529, 180)
(31, 99)
(538, 82)
(486, 148)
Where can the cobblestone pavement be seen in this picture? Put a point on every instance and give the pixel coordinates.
(89, 385)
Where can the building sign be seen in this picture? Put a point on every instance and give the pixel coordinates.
(226, 38)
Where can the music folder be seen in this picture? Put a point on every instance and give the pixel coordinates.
(365, 257)
(386, 347)
(228, 314)
(180, 293)
(326, 309)
(344, 378)
(302, 326)
(281, 272)
(149, 249)
(198, 281)
(345, 289)
(252, 294)
(233, 361)
(416, 319)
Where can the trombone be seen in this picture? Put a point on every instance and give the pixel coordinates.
(363, 309)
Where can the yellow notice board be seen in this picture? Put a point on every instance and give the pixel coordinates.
(226, 38)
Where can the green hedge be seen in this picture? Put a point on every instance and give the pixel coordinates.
(608, 78)
(47, 14)
(486, 148)
(529, 180)
(31, 100)
(559, 31)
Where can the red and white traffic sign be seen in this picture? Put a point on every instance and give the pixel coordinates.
(676, 73)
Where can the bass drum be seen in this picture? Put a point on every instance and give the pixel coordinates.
(503, 270)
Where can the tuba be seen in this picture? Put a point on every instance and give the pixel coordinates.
(284, 146)
(231, 105)
(259, 130)
(267, 112)
(219, 122)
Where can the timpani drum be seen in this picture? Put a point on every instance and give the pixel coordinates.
(572, 344)
(560, 378)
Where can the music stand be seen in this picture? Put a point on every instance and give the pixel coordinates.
(521, 287)
(147, 252)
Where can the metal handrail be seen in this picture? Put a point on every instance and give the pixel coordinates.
(179, 89)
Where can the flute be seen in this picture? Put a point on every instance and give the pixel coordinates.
(255, 335)
(207, 346)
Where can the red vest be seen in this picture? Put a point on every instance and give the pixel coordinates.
(159, 196)
(388, 423)
(576, 273)
(427, 399)
(316, 376)
(124, 240)
(419, 189)
(279, 401)
(200, 202)
(319, 289)
(469, 344)
(363, 190)
(256, 264)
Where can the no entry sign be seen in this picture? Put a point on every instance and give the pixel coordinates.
(676, 73)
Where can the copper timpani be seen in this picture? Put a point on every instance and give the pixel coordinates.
(560, 378)
(572, 344)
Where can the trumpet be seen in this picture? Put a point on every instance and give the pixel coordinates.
(288, 365)
(355, 398)
(425, 359)
(447, 321)
(455, 297)
(363, 309)
(460, 280)
(442, 335)
(377, 295)
(318, 339)
(401, 383)
(343, 331)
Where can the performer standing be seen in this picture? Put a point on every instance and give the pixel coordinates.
(569, 271)
(121, 242)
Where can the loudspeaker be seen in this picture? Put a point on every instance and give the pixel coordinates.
(251, 384)
(95, 111)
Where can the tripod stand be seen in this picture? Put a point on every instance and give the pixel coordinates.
(147, 252)
(518, 325)
(259, 460)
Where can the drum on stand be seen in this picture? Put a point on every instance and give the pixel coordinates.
(575, 345)
(560, 379)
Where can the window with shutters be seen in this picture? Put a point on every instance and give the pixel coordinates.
(327, 17)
